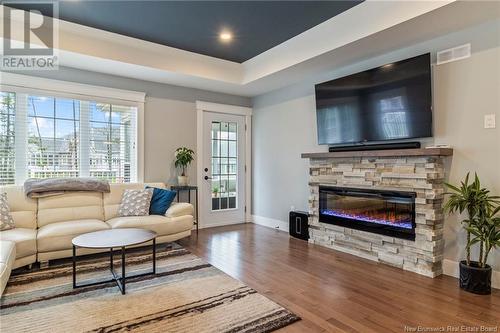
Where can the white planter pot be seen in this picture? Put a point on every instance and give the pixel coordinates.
(182, 180)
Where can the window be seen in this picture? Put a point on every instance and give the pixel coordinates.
(47, 136)
(53, 137)
(111, 141)
(7, 138)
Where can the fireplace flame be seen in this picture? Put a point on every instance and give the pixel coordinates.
(385, 217)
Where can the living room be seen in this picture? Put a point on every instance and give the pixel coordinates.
(250, 166)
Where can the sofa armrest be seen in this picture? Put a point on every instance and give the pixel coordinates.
(180, 209)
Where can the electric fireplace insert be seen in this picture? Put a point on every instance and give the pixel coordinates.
(390, 213)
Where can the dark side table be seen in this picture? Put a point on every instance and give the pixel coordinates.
(188, 189)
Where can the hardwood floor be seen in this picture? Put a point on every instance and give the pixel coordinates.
(333, 291)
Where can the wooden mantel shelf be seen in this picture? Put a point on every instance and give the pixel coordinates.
(384, 153)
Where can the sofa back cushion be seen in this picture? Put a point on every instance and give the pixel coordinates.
(22, 208)
(70, 206)
(113, 199)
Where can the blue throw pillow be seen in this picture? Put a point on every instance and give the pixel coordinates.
(161, 200)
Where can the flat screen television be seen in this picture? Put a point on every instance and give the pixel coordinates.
(390, 102)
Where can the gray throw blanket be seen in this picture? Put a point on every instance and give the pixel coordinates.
(39, 188)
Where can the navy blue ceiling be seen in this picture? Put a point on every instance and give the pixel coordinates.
(194, 25)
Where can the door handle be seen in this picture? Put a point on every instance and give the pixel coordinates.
(207, 178)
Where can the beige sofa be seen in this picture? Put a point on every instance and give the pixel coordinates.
(45, 227)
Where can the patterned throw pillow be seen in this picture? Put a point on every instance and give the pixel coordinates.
(6, 221)
(135, 202)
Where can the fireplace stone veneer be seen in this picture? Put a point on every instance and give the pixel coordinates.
(420, 173)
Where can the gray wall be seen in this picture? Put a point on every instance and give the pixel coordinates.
(169, 117)
(285, 126)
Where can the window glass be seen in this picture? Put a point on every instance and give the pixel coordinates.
(224, 165)
(7, 138)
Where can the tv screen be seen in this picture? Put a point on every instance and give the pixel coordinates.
(390, 102)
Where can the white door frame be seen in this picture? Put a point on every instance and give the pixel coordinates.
(202, 107)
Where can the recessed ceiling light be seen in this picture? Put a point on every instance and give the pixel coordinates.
(225, 36)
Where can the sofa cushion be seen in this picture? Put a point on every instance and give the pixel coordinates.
(135, 202)
(6, 221)
(70, 206)
(7, 252)
(22, 208)
(180, 209)
(160, 224)
(113, 199)
(24, 238)
(4, 276)
(7, 258)
(58, 236)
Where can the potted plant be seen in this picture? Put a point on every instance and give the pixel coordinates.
(215, 192)
(183, 157)
(482, 227)
(485, 230)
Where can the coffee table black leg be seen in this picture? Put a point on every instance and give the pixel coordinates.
(154, 255)
(111, 259)
(197, 220)
(74, 266)
(123, 271)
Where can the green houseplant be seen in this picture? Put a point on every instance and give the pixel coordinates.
(215, 191)
(483, 228)
(183, 158)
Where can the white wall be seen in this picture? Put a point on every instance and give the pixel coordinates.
(169, 116)
(285, 126)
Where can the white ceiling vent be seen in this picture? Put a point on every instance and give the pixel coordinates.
(453, 54)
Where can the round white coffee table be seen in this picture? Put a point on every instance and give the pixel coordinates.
(114, 238)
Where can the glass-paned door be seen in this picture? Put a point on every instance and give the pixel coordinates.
(224, 147)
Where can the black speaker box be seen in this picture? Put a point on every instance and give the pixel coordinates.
(299, 225)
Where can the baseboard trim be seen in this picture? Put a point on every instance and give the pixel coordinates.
(450, 267)
(270, 223)
(220, 224)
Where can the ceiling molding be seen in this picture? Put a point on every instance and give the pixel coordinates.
(202, 106)
(310, 52)
(107, 45)
(72, 88)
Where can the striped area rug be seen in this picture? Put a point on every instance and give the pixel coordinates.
(186, 295)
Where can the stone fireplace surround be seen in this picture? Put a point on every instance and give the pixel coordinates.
(414, 170)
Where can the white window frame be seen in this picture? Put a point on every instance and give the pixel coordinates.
(18, 83)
